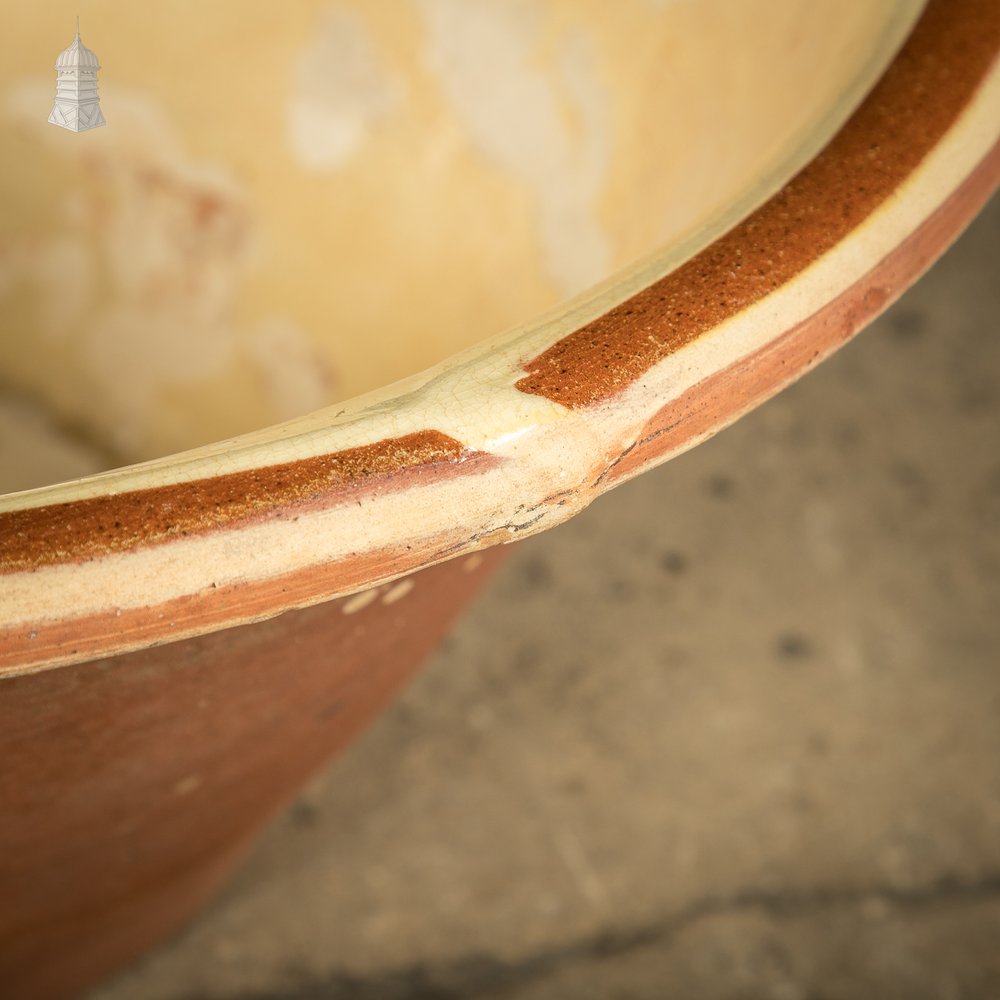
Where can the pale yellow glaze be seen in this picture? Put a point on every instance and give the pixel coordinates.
(289, 209)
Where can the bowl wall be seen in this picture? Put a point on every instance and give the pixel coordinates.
(287, 210)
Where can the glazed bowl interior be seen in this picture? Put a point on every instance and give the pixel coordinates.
(288, 209)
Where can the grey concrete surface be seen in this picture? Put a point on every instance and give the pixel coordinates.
(734, 732)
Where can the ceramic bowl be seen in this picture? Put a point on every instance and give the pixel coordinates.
(609, 231)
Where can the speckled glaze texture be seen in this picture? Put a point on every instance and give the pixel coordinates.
(84, 529)
(727, 394)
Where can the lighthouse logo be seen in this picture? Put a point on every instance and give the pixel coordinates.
(77, 106)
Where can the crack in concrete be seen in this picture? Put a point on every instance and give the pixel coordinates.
(478, 975)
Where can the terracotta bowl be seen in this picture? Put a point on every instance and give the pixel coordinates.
(656, 214)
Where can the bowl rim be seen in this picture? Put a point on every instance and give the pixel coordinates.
(520, 432)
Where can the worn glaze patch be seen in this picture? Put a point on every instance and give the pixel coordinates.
(173, 238)
(521, 115)
(342, 89)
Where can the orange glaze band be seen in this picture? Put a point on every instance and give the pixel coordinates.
(721, 398)
(85, 529)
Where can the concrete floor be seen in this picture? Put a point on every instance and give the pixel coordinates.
(784, 784)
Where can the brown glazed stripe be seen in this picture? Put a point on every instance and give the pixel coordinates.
(84, 529)
(722, 397)
(921, 94)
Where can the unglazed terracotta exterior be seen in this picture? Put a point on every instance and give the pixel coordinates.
(182, 641)
(136, 783)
